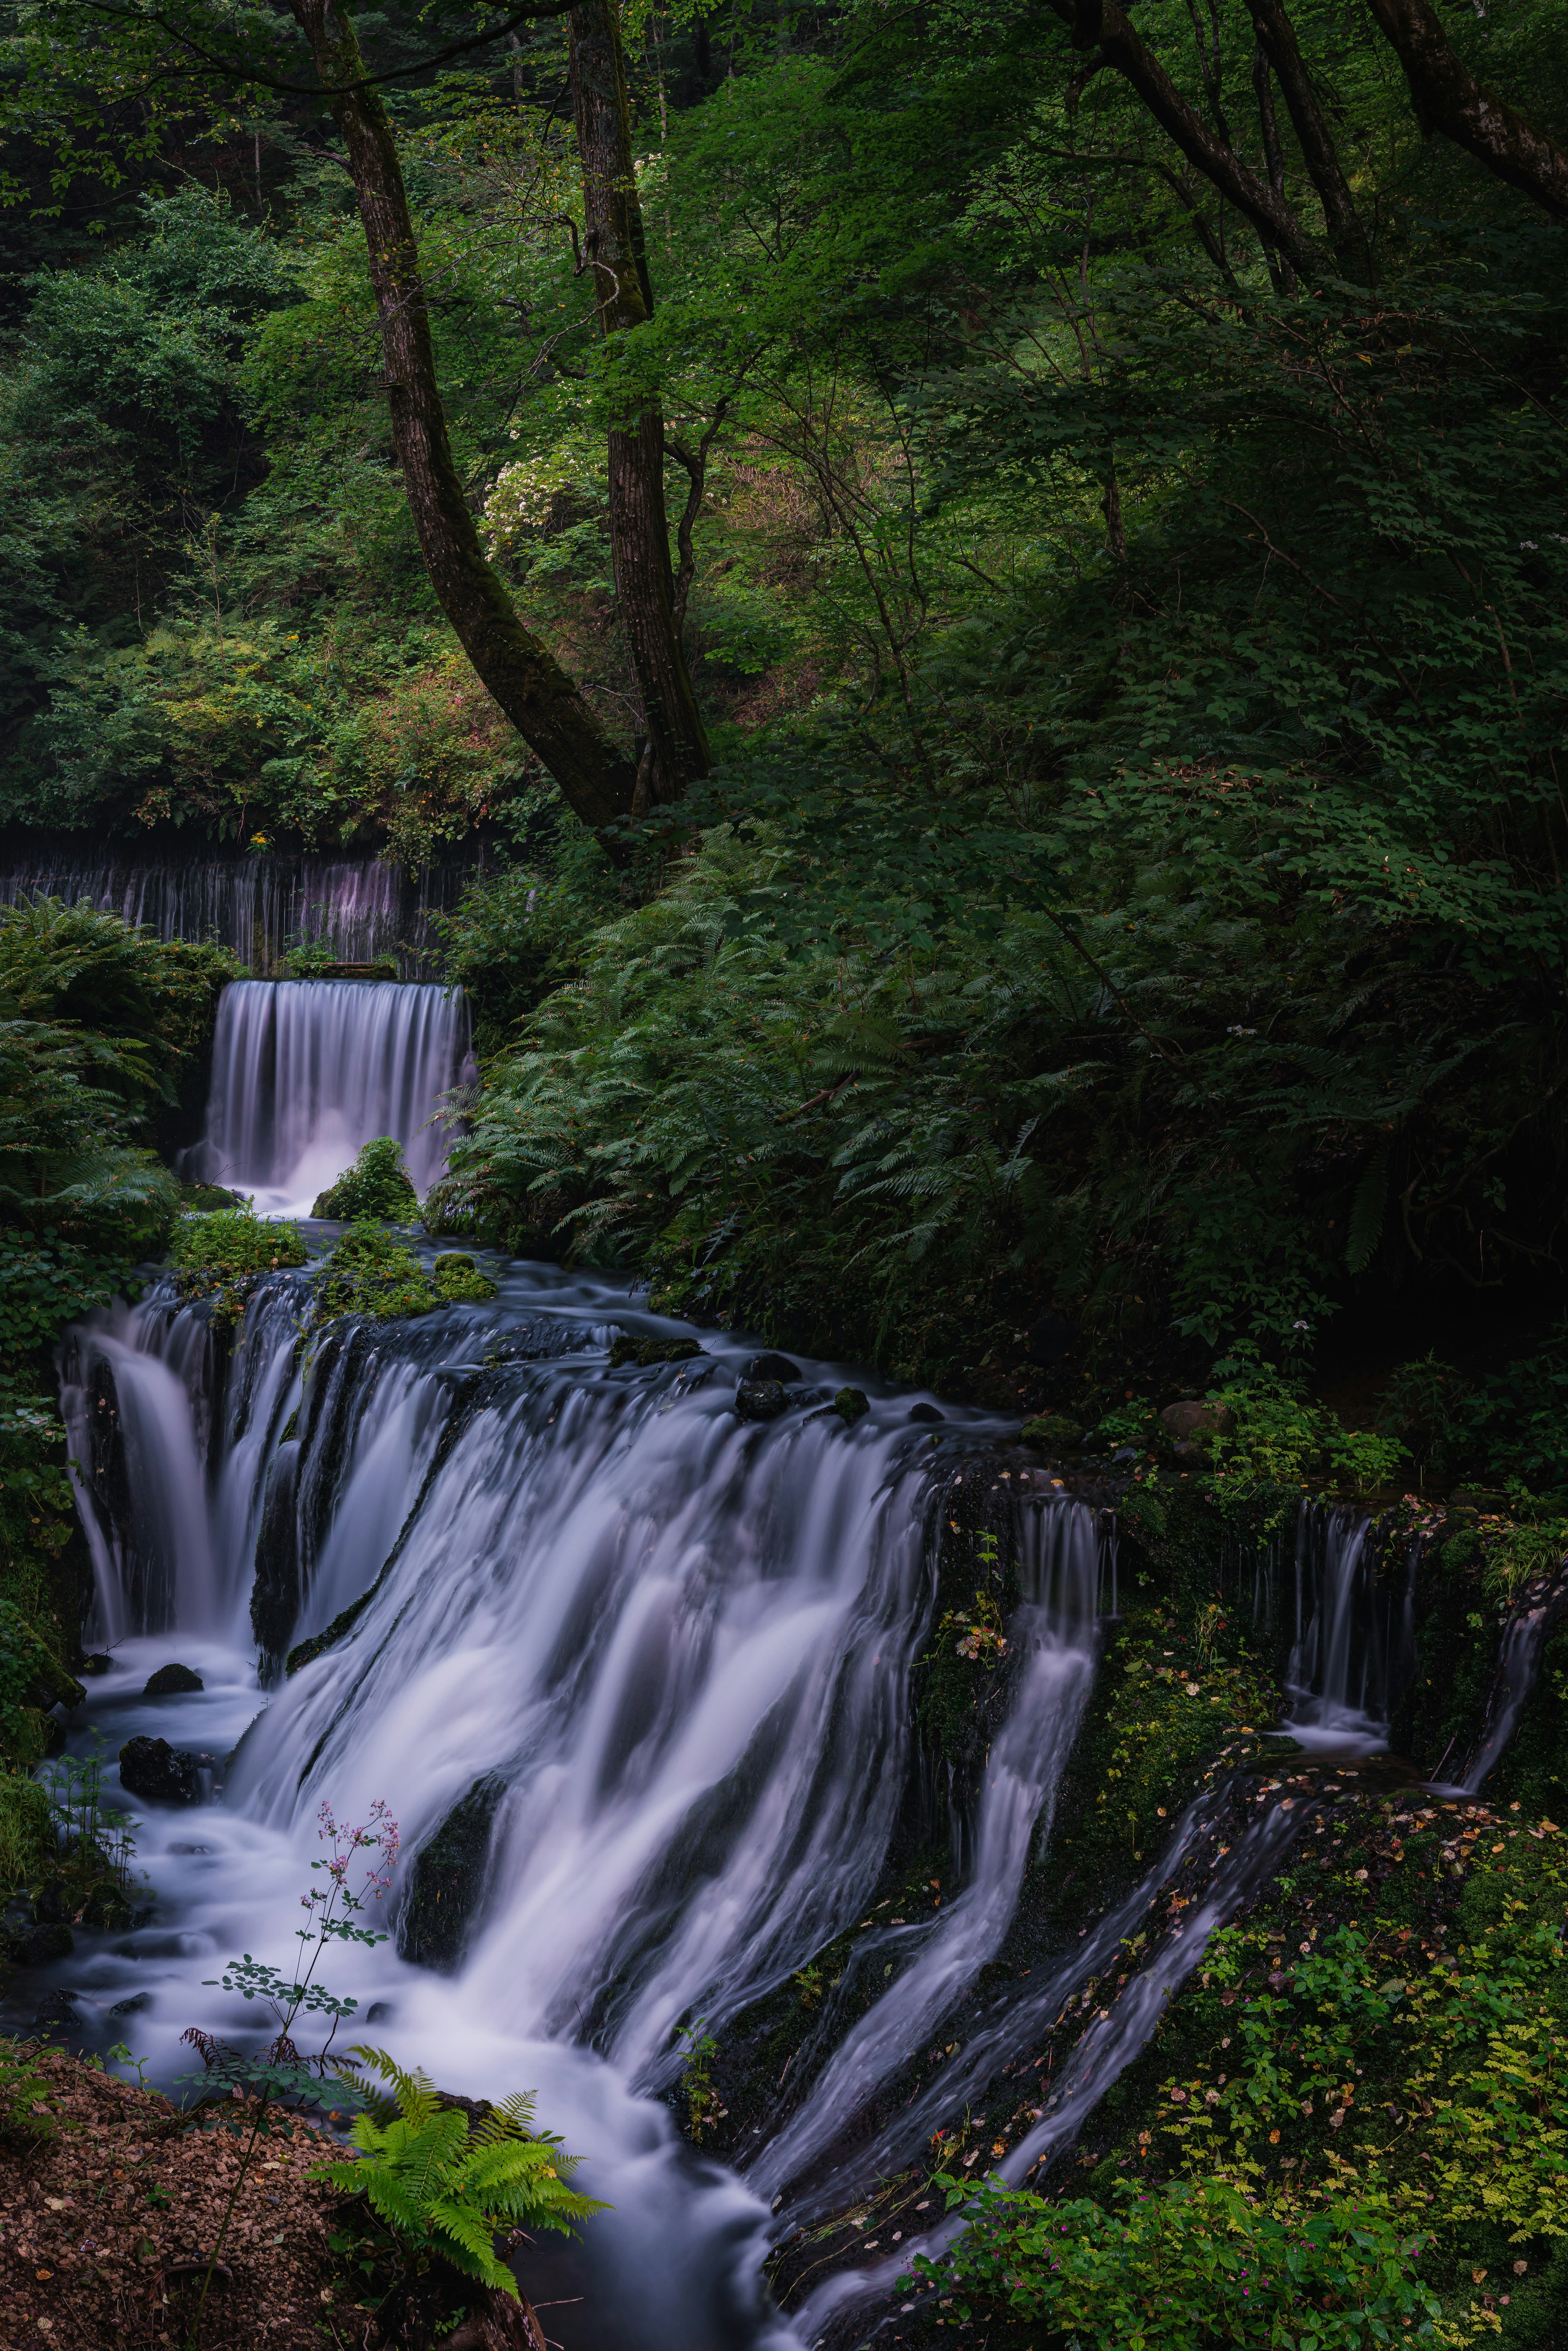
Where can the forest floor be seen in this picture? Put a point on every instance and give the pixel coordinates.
(106, 2224)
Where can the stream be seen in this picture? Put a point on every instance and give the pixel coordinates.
(658, 1658)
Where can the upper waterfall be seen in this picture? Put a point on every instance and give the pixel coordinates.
(254, 905)
(304, 1071)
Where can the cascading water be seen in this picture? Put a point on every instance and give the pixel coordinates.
(1354, 1643)
(654, 1659)
(305, 1070)
(665, 1652)
(255, 905)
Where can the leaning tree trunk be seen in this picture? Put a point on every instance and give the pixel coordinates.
(677, 749)
(596, 778)
(1448, 98)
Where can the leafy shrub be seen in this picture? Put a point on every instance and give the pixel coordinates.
(26, 1830)
(377, 1184)
(1189, 2265)
(458, 1281)
(225, 1254)
(368, 1271)
(235, 1241)
(448, 2188)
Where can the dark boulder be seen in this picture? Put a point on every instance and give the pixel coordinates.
(1052, 1428)
(97, 1661)
(770, 1367)
(925, 1413)
(169, 1678)
(56, 2013)
(133, 2006)
(106, 1911)
(164, 1774)
(851, 1405)
(43, 1944)
(761, 1399)
(447, 1879)
(1049, 1340)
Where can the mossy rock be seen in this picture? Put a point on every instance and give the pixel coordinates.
(1049, 1429)
(458, 1281)
(377, 1184)
(629, 1349)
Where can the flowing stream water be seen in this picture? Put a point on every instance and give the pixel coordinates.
(660, 1656)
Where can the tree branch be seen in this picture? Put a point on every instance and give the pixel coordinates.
(1448, 98)
(1277, 39)
(1100, 23)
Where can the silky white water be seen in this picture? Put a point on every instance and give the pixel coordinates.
(679, 1642)
(304, 1071)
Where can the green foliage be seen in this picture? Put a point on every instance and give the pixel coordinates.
(224, 1253)
(448, 2188)
(706, 2108)
(1189, 2264)
(1269, 1436)
(24, 1663)
(377, 1184)
(1174, 1700)
(458, 1281)
(26, 1830)
(24, 2093)
(368, 1271)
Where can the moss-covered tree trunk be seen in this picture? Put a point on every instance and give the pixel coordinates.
(677, 749)
(541, 701)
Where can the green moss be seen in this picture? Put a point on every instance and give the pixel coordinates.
(224, 1253)
(377, 1184)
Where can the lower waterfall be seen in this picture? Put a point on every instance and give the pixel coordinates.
(653, 1661)
(665, 1649)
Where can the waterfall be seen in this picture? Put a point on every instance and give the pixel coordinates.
(659, 1658)
(304, 1071)
(252, 904)
(1353, 1643)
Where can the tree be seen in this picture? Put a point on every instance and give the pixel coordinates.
(1446, 97)
(614, 250)
(195, 50)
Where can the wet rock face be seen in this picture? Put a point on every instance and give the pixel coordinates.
(761, 1399)
(777, 1368)
(275, 1595)
(168, 1679)
(164, 1774)
(446, 1880)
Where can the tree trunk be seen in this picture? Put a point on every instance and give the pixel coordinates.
(1100, 24)
(1277, 38)
(596, 779)
(1448, 98)
(639, 528)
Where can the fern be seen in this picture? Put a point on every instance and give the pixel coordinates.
(447, 2187)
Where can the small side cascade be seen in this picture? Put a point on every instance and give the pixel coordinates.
(304, 1071)
(1354, 1644)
